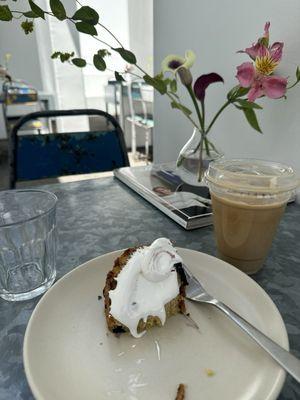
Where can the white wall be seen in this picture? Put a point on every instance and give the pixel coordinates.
(24, 51)
(31, 59)
(140, 14)
(215, 30)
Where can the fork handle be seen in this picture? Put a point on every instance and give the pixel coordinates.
(289, 362)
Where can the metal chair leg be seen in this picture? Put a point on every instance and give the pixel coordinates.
(133, 139)
(147, 144)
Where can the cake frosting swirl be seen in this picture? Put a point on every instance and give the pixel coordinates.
(145, 285)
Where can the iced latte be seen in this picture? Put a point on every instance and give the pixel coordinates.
(248, 200)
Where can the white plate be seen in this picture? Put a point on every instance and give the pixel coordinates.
(68, 354)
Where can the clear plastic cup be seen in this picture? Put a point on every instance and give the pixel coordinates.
(27, 243)
(248, 199)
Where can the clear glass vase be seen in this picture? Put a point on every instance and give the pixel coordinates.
(194, 158)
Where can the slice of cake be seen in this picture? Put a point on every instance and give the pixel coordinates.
(144, 288)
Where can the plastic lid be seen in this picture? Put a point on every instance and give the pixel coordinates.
(250, 175)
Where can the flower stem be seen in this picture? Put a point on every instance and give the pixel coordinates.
(294, 84)
(203, 114)
(188, 117)
(193, 97)
(217, 115)
(200, 170)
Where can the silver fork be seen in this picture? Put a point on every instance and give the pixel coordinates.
(196, 292)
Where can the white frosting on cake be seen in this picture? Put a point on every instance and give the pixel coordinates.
(145, 284)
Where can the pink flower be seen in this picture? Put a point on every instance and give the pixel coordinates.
(263, 43)
(260, 84)
(257, 76)
(266, 30)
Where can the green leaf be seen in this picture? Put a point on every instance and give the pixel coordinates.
(242, 91)
(86, 14)
(58, 9)
(264, 41)
(127, 55)
(99, 62)
(167, 81)
(84, 27)
(175, 95)
(158, 84)
(236, 92)
(5, 14)
(36, 9)
(248, 104)
(179, 106)
(103, 53)
(63, 56)
(30, 14)
(119, 77)
(298, 74)
(27, 26)
(251, 118)
(79, 62)
(173, 86)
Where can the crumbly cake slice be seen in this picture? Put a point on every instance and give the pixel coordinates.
(173, 307)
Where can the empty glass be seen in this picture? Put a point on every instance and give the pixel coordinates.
(27, 243)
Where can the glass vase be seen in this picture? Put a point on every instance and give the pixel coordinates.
(194, 158)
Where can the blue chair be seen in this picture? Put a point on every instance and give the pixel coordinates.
(38, 156)
(139, 92)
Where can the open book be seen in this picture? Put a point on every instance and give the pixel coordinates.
(188, 205)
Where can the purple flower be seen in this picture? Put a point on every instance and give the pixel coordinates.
(203, 82)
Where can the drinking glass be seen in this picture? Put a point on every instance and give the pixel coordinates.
(27, 243)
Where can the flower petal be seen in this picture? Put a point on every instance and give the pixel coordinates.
(245, 74)
(253, 50)
(263, 51)
(266, 30)
(203, 82)
(171, 63)
(274, 86)
(255, 92)
(190, 58)
(276, 51)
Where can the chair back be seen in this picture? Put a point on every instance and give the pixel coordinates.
(38, 156)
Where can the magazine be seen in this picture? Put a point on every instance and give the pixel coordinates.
(161, 185)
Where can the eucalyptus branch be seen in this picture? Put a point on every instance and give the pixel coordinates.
(119, 72)
(104, 27)
(103, 42)
(95, 37)
(141, 69)
(107, 30)
(19, 17)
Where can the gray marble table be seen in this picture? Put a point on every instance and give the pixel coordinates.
(98, 216)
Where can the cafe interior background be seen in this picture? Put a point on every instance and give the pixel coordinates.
(152, 30)
(103, 215)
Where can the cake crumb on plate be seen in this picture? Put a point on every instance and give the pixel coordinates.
(209, 372)
(180, 392)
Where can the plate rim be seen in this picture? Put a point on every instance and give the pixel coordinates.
(278, 383)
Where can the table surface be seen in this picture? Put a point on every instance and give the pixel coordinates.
(98, 216)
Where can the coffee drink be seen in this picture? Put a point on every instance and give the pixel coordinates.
(244, 232)
(248, 200)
